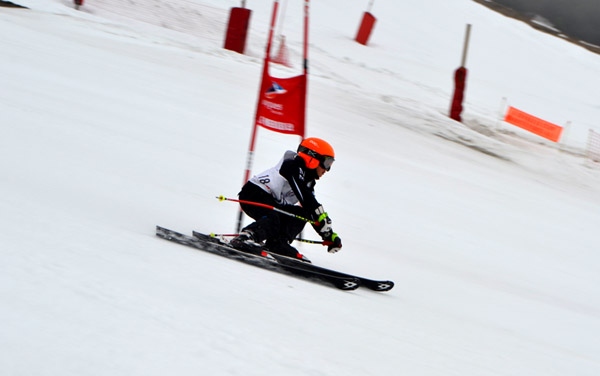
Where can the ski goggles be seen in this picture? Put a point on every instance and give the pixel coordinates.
(326, 162)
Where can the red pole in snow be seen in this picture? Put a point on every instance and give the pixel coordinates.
(250, 156)
(460, 77)
(366, 26)
(299, 130)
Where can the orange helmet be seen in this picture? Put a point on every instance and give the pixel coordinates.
(316, 152)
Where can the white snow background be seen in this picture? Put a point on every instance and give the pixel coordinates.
(129, 114)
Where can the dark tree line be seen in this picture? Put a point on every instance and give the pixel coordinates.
(576, 18)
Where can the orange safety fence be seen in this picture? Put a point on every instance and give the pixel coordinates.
(533, 124)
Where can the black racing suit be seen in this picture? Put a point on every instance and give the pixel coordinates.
(283, 186)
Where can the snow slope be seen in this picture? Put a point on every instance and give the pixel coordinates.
(116, 121)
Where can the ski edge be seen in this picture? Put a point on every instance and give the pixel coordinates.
(342, 283)
(371, 284)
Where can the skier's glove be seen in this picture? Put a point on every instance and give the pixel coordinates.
(323, 225)
(335, 243)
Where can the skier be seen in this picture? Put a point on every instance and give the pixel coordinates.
(290, 182)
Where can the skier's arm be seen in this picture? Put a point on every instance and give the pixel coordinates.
(302, 186)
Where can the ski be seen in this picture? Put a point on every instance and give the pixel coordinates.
(260, 259)
(372, 284)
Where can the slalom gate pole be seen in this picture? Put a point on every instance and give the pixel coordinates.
(223, 198)
(250, 155)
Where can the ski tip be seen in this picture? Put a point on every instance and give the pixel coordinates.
(385, 285)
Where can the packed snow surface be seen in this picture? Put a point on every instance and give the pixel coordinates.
(125, 115)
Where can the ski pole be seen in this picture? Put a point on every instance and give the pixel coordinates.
(325, 242)
(322, 242)
(223, 198)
